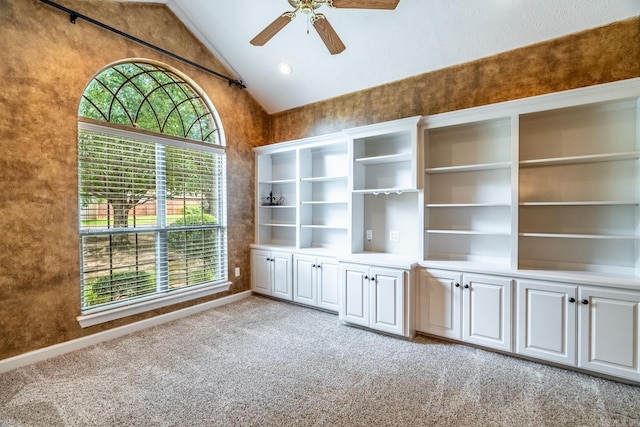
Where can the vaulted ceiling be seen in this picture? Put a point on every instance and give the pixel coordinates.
(381, 45)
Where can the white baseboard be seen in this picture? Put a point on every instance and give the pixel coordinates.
(69, 346)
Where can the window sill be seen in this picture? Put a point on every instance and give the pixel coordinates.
(108, 315)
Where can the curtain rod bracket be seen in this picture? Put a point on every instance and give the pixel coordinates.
(73, 16)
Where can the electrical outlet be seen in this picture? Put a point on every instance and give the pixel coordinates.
(237, 271)
(369, 235)
(394, 236)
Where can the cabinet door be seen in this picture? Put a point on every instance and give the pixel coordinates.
(438, 299)
(354, 282)
(486, 314)
(546, 321)
(327, 285)
(387, 300)
(609, 332)
(281, 286)
(304, 278)
(261, 271)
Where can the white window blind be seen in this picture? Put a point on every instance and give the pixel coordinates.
(152, 215)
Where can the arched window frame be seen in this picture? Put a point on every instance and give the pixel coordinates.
(174, 150)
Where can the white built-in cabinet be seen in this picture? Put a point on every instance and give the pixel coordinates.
(609, 332)
(546, 321)
(374, 297)
(271, 273)
(315, 281)
(469, 307)
(486, 311)
(589, 327)
(513, 226)
(438, 303)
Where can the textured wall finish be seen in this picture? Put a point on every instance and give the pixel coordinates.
(591, 57)
(46, 64)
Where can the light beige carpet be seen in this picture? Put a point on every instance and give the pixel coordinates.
(261, 362)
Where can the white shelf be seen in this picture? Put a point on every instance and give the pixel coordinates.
(581, 236)
(469, 232)
(468, 168)
(325, 202)
(386, 191)
(325, 178)
(325, 227)
(278, 181)
(389, 158)
(584, 203)
(592, 158)
(467, 205)
(275, 224)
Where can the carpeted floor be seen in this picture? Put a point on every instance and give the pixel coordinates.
(261, 362)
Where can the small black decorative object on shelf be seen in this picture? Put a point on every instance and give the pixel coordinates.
(272, 200)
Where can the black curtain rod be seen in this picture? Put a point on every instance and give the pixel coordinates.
(73, 15)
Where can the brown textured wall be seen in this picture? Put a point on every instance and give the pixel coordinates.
(591, 57)
(45, 63)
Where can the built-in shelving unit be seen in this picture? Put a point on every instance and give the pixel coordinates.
(276, 192)
(467, 179)
(578, 207)
(463, 224)
(384, 157)
(324, 196)
(303, 193)
(385, 187)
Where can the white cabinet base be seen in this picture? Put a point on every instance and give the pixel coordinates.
(609, 332)
(546, 321)
(438, 304)
(374, 297)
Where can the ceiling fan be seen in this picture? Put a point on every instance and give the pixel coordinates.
(318, 20)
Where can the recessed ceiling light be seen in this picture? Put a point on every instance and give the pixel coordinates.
(285, 68)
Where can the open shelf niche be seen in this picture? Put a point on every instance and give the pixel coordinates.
(579, 188)
(468, 190)
(324, 196)
(276, 199)
(303, 193)
(386, 188)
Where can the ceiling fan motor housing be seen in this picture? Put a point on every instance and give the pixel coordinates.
(307, 6)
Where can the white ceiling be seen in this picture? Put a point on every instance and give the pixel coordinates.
(382, 46)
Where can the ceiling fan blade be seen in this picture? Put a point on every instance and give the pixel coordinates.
(328, 34)
(365, 4)
(271, 30)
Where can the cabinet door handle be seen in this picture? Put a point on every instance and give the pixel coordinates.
(366, 277)
(314, 266)
(466, 286)
(373, 279)
(572, 299)
(268, 259)
(585, 301)
(457, 285)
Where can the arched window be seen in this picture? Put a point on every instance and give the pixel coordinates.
(151, 166)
